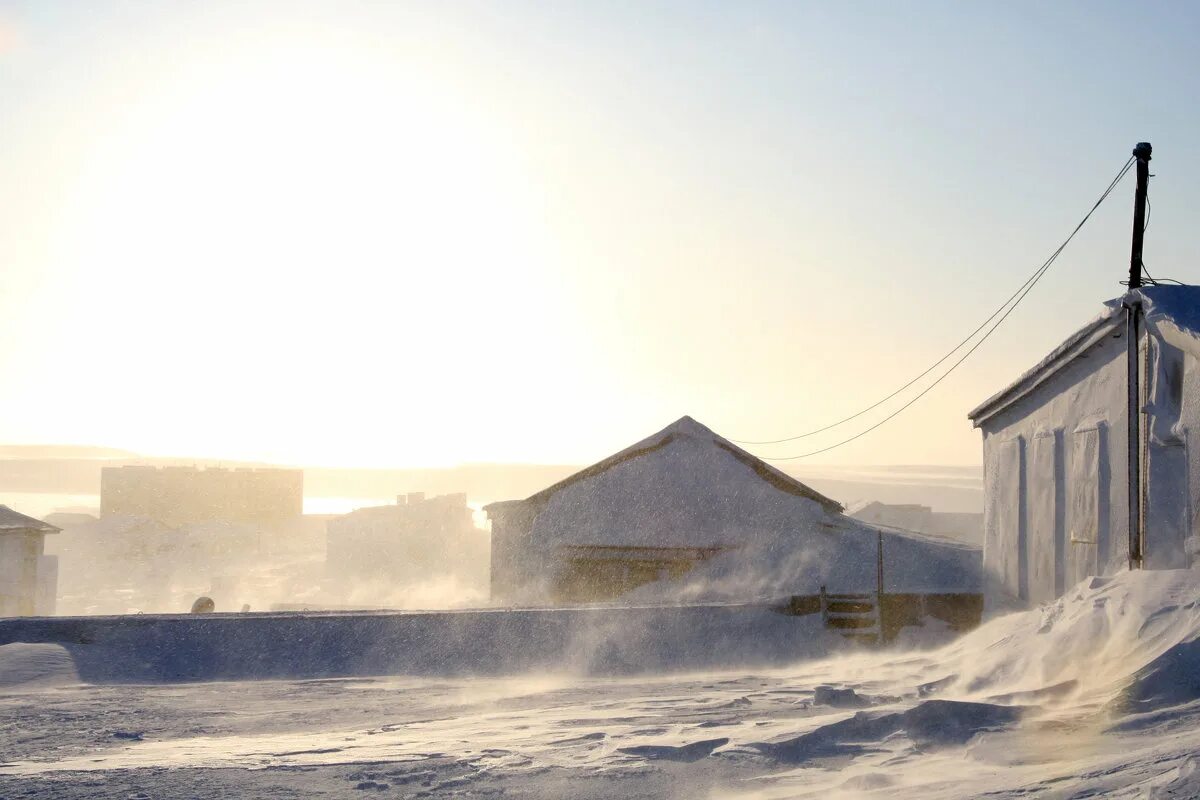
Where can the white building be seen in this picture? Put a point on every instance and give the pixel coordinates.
(1061, 499)
(413, 540)
(28, 577)
(687, 505)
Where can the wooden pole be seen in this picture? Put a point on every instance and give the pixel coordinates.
(1133, 310)
(1134, 435)
(1142, 154)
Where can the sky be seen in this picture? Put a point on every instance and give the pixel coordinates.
(392, 234)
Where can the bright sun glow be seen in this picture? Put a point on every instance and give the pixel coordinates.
(311, 232)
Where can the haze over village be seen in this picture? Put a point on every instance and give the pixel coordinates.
(747, 402)
(275, 538)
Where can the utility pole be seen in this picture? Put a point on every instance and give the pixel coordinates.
(1142, 154)
(1133, 311)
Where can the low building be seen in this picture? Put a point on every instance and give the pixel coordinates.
(415, 539)
(960, 526)
(1076, 485)
(27, 575)
(688, 508)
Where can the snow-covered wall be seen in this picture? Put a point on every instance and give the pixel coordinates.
(151, 648)
(1056, 452)
(20, 553)
(1172, 410)
(1055, 469)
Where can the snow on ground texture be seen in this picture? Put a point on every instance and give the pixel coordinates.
(1094, 695)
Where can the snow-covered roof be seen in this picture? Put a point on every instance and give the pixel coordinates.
(1171, 307)
(1176, 306)
(685, 486)
(687, 428)
(16, 522)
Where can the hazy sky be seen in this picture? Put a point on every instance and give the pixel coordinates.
(393, 234)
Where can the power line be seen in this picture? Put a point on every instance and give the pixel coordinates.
(1157, 281)
(1019, 295)
(958, 346)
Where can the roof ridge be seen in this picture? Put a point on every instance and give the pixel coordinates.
(686, 426)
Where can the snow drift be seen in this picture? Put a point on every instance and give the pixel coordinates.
(1092, 695)
(1097, 637)
(35, 666)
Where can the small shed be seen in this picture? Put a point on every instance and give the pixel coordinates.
(1076, 485)
(28, 577)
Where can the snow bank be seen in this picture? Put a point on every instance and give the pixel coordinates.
(153, 648)
(35, 666)
(1094, 640)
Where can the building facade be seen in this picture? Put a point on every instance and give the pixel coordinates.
(27, 575)
(688, 510)
(1059, 483)
(415, 539)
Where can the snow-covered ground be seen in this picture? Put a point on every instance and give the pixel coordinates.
(1097, 694)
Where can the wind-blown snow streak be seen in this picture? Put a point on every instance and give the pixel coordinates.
(1093, 694)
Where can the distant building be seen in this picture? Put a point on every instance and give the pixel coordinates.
(963, 527)
(1058, 482)
(182, 495)
(414, 539)
(28, 577)
(685, 502)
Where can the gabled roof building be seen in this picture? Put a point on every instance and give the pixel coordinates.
(1077, 485)
(686, 497)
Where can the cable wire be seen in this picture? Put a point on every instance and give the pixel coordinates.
(1019, 296)
(957, 347)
